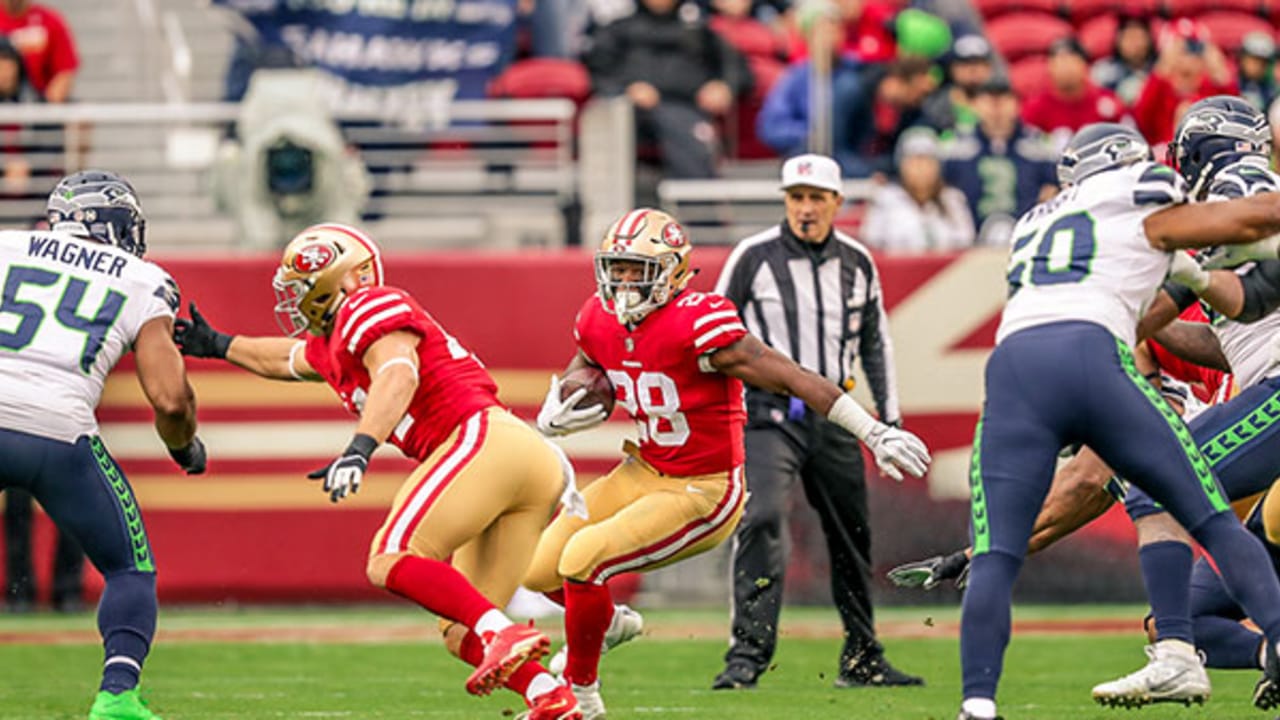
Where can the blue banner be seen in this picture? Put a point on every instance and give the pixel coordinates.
(375, 47)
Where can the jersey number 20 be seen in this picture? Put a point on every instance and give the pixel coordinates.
(67, 312)
(1063, 255)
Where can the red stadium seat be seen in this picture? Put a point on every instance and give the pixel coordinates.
(990, 9)
(543, 78)
(1029, 75)
(750, 36)
(1098, 35)
(1020, 34)
(1191, 8)
(1080, 11)
(1227, 29)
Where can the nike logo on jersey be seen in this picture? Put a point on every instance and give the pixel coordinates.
(69, 253)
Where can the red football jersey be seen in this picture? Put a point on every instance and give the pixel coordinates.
(689, 418)
(452, 384)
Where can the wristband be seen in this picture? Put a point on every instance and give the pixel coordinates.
(362, 445)
(221, 344)
(852, 417)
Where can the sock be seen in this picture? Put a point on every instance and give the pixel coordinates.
(539, 685)
(1239, 555)
(984, 621)
(1166, 571)
(491, 622)
(525, 680)
(588, 610)
(438, 587)
(1227, 644)
(979, 707)
(556, 596)
(127, 621)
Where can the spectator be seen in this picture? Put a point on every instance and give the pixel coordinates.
(868, 30)
(920, 211)
(1071, 100)
(42, 36)
(1002, 166)
(783, 122)
(1190, 68)
(678, 73)
(1256, 62)
(897, 94)
(773, 13)
(950, 107)
(15, 87)
(1133, 52)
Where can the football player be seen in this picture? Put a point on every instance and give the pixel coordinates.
(677, 360)
(487, 483)
(1082, 269)
(80, 296)
(1221, 149)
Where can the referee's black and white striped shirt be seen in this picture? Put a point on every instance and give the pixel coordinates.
(820, 305)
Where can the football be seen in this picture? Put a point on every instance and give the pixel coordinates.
(599, 389)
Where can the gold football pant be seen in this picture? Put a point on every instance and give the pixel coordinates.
(484, 496)
(638, 519)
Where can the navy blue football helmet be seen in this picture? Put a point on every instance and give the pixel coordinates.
(1214, 133)
(1099, 147)
(101, 205)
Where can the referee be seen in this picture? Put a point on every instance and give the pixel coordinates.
(812, 293)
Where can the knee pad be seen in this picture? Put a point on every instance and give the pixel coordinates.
(581, 555)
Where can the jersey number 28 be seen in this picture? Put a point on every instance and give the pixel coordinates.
(655, 395)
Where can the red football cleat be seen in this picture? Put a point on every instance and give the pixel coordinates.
(504, 652)
(559, 704)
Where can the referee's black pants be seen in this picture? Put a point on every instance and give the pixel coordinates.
(827, 462)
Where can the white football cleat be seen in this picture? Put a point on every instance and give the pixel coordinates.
(1174, 673)
(589, 701)
(626, 625)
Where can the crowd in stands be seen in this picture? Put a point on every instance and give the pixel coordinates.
(1000, 85)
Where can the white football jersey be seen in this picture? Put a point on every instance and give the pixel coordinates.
(71, 308)
(1084, 255)
(1247, 346)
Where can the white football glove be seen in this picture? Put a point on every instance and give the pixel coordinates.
(897, 450)
(1229, 256)
(1187, 272)
(559, 417)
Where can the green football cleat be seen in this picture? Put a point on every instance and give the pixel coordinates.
(128, 705)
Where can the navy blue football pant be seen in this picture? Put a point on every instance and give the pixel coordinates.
(1241, 441)
(1061, 384)
(86, 494)
(1216, 616)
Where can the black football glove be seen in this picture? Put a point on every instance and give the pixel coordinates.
(197, 338)
(344, 474)
(191, 458)
(929, 573)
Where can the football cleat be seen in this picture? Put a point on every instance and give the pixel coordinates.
(127, 705)
(1172, 674)
(589, 700)
(736, 676)
(1266, 694)
(626, 625)
(964, 715)
(875, 672)
(504, 652)
(558, 704)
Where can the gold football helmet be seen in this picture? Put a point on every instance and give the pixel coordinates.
(308, 283)
(643, 261)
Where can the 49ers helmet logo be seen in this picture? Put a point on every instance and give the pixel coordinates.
(673, 235)
(314, 257)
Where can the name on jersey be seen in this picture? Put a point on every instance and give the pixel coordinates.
(75, 255)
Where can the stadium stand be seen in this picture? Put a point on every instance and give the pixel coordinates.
(1229, 28)
(1020, 34)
